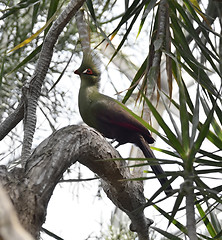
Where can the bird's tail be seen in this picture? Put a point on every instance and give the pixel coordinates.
(157, 169)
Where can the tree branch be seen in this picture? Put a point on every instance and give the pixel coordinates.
(32, 87)
(35, 184)
(12, 120)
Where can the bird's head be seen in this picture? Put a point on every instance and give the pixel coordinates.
(89, 71)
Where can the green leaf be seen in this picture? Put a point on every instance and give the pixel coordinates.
(195, 120)
(27, 59)
(204, 50)
(194, 68)
(91, 9)
(209, 171)
(2, 70)
(176, 207)
(188, 25)
(171, 116)
(35, 35)
(166, 234)
(207, 192)
(210, 135)
(128, 14)
(35, 14)
(206, 220)
(62, 73)
(210, 155)
(147, 8)
(216, 224)
(205, 28)
(206, 162)
(125, 35)
(52, 10)
(135, 81)
(217, 108)
(17, 7)
(202, 134)
(179, 225)
(214, 124)
(170, 153)
(173, 140)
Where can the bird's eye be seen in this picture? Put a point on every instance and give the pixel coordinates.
(88, 71)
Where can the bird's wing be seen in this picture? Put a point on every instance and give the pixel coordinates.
(110, 111)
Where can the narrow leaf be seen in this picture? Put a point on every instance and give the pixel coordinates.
(35, 35)
(166, 234)
(20, 5)
(206, 220)
(125, 35)
(202, 134)
(35, 14)
(62, 73)
(27, 59)
(179, 225)
(171, 117)
(175, 143)
(216, 224)
(176, 207)
(91, 9)
(2, 70)
(195, 120)
(147, 8)
(135, 81)
(52, 10)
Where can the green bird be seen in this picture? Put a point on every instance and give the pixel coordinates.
(109, 116)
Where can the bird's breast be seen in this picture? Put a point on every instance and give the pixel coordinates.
(86, 100)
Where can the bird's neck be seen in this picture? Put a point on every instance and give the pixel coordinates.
(89, 88)
(88, 92)
(90, 82)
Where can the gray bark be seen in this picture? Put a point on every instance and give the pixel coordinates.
(32, 88)
(31, 187)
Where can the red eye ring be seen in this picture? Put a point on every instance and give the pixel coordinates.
(88, 71)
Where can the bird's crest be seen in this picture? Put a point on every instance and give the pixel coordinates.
(91, 64)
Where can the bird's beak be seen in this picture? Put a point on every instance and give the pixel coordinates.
(77, 72)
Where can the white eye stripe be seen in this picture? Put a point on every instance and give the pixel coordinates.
(85, 71)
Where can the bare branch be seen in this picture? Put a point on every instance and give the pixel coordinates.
(33, 86)
(12, 120)
(78, 180)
